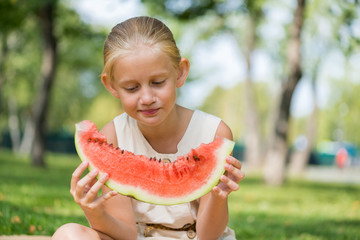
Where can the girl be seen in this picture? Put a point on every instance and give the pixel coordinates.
(143, 68)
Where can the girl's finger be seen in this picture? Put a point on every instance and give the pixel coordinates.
(89, 185)
(220, 193)
(236, 173)
(233, 161)
(81, 185)
(94, 190)
(233, 186)
(105, 197)
(77, 175)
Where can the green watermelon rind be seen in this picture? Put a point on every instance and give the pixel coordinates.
(140, 194)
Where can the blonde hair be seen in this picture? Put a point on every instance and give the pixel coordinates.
(134, 32)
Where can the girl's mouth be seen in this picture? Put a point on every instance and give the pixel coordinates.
(149, 112)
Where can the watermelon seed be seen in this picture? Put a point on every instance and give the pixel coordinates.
(122, 151)
(117, 148)
(150, 158)
(110, 144)
(96, 139)
(196, 158)
(89, 140)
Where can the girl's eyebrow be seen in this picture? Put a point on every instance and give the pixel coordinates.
(155, 75)
(160, 74)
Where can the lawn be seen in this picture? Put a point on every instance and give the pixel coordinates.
(37, 201)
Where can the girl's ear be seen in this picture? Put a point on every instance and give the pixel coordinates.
(184, 68)
(106, 81)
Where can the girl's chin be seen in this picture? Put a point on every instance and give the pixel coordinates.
(150, 121)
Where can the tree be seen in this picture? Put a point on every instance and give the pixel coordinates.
(274, 169)
(31, 55)
(46, 16)
(11, 17)
(253, 143)
(318, 45)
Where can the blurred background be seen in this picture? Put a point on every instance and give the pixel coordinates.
(284, 75)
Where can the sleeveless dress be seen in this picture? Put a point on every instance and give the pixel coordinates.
(201, 129)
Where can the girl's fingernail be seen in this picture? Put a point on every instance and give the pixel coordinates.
(105, 176)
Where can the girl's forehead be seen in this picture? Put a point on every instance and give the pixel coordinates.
(143, 61)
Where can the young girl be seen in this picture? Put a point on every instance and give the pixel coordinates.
(143, 68)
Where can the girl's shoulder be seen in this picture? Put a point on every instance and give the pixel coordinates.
(224, 130)
(109, 132)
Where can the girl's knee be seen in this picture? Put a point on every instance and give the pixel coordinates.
(71, 231)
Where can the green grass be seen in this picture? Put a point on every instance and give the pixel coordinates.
(37, 201)
(34, 200)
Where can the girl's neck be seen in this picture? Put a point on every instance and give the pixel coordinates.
(165, 137)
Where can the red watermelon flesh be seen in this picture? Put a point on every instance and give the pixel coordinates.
(149, 179)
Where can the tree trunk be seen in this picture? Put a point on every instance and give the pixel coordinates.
(40, 107)
(28, 137)
(253, 156)
(300, 159)
(4, 51)
(274, 169)
(14, 126)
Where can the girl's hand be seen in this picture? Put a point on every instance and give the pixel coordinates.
(85, 190)
(230, 180)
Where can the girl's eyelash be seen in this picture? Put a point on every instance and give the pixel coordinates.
(159, 82)
(130, 88)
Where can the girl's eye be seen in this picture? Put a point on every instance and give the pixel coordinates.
(130, 88)
(158, 82)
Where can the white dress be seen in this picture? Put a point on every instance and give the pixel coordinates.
(201, 129)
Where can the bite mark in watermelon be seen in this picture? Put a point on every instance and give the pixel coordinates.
(148, 179)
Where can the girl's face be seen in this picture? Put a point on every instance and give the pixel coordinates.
(145, 81)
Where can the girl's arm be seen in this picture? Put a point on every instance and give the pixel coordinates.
(109, 213)
(213, 215)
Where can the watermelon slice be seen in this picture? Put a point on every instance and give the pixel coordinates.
(149, 179)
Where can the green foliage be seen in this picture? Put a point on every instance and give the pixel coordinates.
(339, 122)
(77, 81)
(21, 66)
(103, 109)
(193, 9)
(78, 77)
(37, 201)
(228, 104)
(12, 14)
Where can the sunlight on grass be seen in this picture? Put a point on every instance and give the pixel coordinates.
(298, 210)
(37, 201)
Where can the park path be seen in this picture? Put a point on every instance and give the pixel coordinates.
(348, 175)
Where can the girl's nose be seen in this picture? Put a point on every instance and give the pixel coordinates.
(147, 96)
